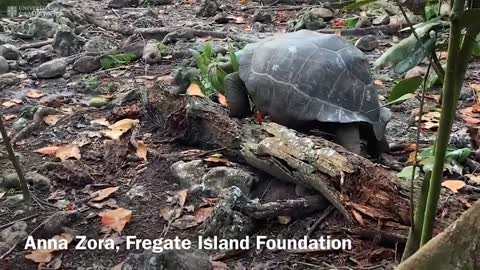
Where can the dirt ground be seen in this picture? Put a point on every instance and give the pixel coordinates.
(114, 163)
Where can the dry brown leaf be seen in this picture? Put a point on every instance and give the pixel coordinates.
(465, 202)
(142, 150)
(47, 151)
(194, 90)
(116, 219)
(370, 211)
(202, 214)
(40, 256)
(476, 108)
(10, 103)
(430, 120)
(453, 185)
(185, 222)
(284, 220)
(358, 217)
(222, 100)
(167, 213)
(182, 197)
(103, 194)
(216, 159)
(9, 117)
(378, 83)
(101, 122)
(119, 128)
(216, 265)
(34, 93)
(476, 90)
(67, 151)
(165, 78)
(52, 119)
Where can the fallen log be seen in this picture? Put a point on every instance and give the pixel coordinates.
(361, 190)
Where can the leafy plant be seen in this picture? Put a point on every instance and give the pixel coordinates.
(212, 75)
(109, 61)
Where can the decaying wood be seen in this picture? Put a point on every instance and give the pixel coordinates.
(35, 44)
(358, 188)
(291, 208)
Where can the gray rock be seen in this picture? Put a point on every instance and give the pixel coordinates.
(139, 193)
(12, 235)
(259, 27)
(461, 138)
(8, 79)
(362, 22)
(311, 20)
(168, 260)
(147, 22)
(4, 67)
(123, 3)
(323, 13)
(67, 75)
(41, 28)
(466, 95)
(37, 56)
(14, 200)
(52, 69)
(20, 123)
(188, 173)
(125, 97)
(221, 18)
(38, 181)
(9, 52)
(381, 20)
(66, 43)
(262, 16)
(222, 177)
(98, 44)
(208, 8)
(86, 64)
(226, 222)
(367, 43)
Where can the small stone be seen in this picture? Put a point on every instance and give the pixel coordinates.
(220, 18)
(98, 102)
(86, 64)
(259, 27)
(208, 8)
(67, 75)
(52, 69)
(445, 9)
(367, 43)
(461, 139)
(38, 181)
(362, 22)
(9, 52)
(222, 177)
(40, 56)
(139, 193)
(323, 13)
(381, 20)
(98, 44)
(12, 235)
(20, 123)
(188, 173)
(416, 71)
(41, 28)
(4, 67)
(14, 200)
(8, 79)
(66, 43)
(262, 17)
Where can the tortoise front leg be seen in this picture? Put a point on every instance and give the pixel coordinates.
(237, 96)
(348, 136)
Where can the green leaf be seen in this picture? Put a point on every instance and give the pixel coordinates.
(406, 173)
(357, 4)
(416, 55)
(476, 49)
(431, 9)
(408, 52)
(117, 59)
(400, 99)
(427, 163)
(404, 87)
(458, 154)
(233, 58)
(351, 22)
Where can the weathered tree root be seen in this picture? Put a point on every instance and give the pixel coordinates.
(292, 208)
(358, 188)
(36, 122)
(35, 44)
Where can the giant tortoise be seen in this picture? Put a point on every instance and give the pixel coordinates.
(304, 78)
